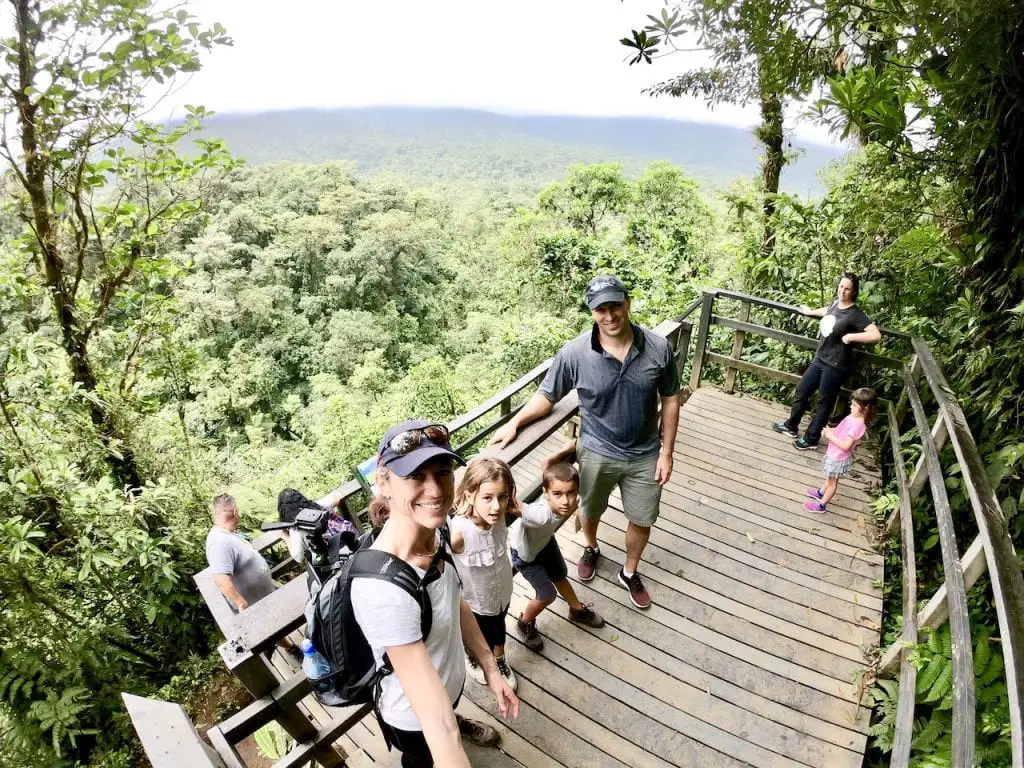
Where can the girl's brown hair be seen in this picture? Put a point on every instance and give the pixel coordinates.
(479, 471)
(866, 399)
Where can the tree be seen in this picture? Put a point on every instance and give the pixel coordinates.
(769, 52)
(74, 77)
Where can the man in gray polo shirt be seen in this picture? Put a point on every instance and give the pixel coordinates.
(621, 372)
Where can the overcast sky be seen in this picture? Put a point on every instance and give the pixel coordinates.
(523, 57)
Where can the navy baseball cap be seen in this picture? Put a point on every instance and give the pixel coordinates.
(418, 448)
(605, 288)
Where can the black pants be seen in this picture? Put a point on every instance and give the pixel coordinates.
(412, 744)
(827, 381)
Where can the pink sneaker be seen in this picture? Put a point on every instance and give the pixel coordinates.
(814, 506)
(814, 493)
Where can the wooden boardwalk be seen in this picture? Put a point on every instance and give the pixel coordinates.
(751, 652)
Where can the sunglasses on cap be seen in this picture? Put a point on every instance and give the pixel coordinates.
(408, 441)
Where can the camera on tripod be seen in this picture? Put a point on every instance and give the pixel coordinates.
(324, 555)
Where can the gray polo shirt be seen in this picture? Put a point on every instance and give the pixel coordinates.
(618, 401)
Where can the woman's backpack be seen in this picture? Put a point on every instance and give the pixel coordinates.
(332, 627)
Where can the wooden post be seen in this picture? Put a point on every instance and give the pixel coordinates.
(506, 406)
(700, 352)
(683, 346)
(737, 347)
(259, 679)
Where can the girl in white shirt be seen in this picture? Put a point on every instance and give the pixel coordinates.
(480, 543)
(416, 702)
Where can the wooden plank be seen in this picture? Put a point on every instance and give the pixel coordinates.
(710, 522)
(669, 568)
(512, 744)
(750, 561)
(959, 623)
(619, 719)
(904, 728)
(718, 698)
(1003, 565)
(712, 654)
(700, 350)
(806, 643)
(747, 646)
(653, 723)
(496, 400)
(268, 620)
(712, 720)
(553, 733)
(748, 367)
(167, 734)
(737, 345)
(744, 474)
(838, 528)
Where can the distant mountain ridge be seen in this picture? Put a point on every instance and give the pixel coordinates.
(466, 145)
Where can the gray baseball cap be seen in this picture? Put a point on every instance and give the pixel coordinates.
(605, 288)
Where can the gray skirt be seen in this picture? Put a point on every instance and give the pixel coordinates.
(833, 468)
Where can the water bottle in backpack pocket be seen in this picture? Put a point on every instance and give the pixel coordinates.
(320, 675)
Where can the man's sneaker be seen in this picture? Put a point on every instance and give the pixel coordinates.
(814, 506)
(637, 594)
(586, 616)
(507, 673)
(476, 732)
(783, 429)
(801, 444)
(814, 493)
(528, 632)
(475, 671)
(587, 566)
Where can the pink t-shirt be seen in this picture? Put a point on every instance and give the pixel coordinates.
(848, 427)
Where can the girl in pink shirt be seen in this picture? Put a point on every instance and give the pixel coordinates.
(842, 442)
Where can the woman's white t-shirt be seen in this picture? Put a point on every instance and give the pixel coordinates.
(484, 566)
(390, 617)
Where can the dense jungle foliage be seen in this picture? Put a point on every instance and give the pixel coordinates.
(180, 325)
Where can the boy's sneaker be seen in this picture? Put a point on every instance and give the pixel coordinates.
(507, 673)
(814, 493)
(476, 732)
(783, 429)
(637, 594)
(587, 616)
(475, 671)
(801, 444)
(814, 506)
(587, 566)
(528, 632)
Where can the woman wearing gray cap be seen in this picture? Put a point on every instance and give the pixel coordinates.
(415, 706)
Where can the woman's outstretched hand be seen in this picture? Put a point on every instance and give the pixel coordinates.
(504, 696)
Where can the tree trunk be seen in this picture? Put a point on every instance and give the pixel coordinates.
(769, 133)
(73, 336)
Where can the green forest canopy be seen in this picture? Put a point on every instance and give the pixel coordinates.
(202, 326)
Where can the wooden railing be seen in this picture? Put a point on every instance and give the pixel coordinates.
(992, 550)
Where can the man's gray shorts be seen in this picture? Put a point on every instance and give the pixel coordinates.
(641, 494)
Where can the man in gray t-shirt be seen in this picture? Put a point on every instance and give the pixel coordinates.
(621, 372)
(239, 571)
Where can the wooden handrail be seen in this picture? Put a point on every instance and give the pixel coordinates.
(908, 672)
(959, 622)
(1003, 566)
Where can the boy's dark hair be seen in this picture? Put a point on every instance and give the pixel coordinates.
(563, 472)
(866, 399)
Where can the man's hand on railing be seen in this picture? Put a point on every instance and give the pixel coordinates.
(505, 435)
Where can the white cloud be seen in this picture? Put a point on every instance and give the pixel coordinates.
(531, 56)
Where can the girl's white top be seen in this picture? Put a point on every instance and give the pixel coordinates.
(484, 566)
(390, 617)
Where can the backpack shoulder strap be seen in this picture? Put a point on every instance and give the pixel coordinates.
(376, 564)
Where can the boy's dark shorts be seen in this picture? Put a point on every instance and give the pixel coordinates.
(543, 571)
